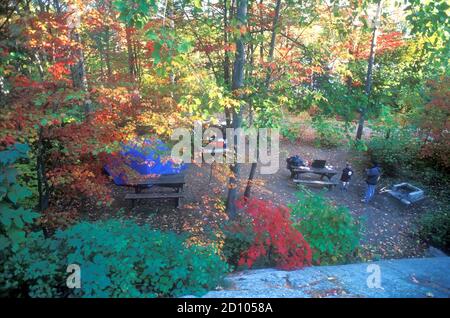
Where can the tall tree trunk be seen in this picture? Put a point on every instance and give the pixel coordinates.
(250, 48)
(170, 15)
(78, 70)
(226, 59)
(108, 54)
(136, 61)
(261, 20)
(272, 41)
(131, 63)
(79, 75)
(43, 189)
(238, 83)
(108, 43)
(266, 86)
(371, 60)
(101, 52)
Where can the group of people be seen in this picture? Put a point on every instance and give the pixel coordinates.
(372, 177)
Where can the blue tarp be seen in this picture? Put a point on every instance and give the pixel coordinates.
(148, 157)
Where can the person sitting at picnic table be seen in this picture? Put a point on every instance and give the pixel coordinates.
(373, 176)
(346, 176)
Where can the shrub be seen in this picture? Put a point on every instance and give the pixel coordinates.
(428, 177)
(357, 145)
(37, 269)
(276, 240)
(238, 237)
(434, 228)
(400, 149)
(117, 259)
(27, 176)
(290, 131)
(437, 151)
(14, 219)
(331, 231)
(329, 134)
(434, 121)
(298, 131)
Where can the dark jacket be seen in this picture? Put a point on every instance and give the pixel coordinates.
(373, 174)
(346, 174)
(295, 161)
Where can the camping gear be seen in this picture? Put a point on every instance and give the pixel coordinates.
(142, 158)
(318, 164)
(295, 161)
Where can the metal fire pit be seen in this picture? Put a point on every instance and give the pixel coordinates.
(406, 193)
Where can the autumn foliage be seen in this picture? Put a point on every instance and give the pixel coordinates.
(388, 41)
(436, 124)
(73, 117)
(275, 237)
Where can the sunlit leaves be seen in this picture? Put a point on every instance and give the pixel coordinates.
(135, 12)
(197, 3)
(58, 70)
(430, 19)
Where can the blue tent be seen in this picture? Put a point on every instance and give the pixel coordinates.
(148, 157)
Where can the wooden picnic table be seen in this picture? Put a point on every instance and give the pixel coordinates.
(169, 180)
(174, 181)
(322, 172)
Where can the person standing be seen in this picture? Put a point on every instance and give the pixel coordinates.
(346, 176)
(373, 176)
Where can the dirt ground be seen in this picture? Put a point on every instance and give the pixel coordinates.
(387, 223)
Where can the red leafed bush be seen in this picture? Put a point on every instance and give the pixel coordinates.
(275, 237)
(435, 122)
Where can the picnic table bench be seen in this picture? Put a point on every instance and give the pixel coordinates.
(175, 181)
(329, 173)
